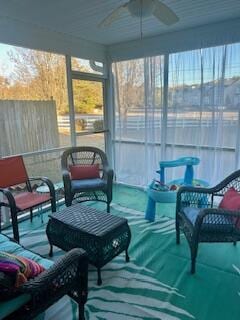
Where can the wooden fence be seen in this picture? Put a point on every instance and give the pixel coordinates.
(27, 126)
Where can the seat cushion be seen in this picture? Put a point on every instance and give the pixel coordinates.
(26, 200)
(6, 245)
(88, 184)
(212, 222)
(12, 247)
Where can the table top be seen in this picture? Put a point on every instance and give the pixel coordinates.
(87, 219)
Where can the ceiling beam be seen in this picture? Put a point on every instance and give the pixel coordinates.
(188, 39)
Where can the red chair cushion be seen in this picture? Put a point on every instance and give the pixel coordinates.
(12, 171)
(27, 200)
(231, 201)
(80, 172)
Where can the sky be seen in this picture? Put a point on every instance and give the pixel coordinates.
(6, 66)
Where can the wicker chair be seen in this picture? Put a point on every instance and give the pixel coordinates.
(200, 221)
(99, 189)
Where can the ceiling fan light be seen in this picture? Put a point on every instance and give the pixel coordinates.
(140, 8)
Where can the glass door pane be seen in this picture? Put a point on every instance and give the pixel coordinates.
(89, 112)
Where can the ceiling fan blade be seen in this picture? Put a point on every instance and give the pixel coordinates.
(164, 13)
(113, 16)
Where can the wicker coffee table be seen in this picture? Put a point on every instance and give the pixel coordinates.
(102, 235)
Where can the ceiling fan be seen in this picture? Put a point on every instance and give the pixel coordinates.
(141, 9)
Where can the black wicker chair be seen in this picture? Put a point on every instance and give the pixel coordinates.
(200, 221)
(85, 190)
(69, 275)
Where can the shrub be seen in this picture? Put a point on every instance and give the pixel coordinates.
(98, 125)
(80, 124)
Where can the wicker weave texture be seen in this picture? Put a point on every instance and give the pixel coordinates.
(102, 235)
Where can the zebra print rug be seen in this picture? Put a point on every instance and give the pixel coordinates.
(156, 283)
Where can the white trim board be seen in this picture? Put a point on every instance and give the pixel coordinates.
(18, 33)
(188, 39)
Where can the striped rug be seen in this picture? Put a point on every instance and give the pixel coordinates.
(156, 283)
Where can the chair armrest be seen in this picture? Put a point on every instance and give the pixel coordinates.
(45, 180)
(108, 174)
(10, 198)
(108, 177)
(68, 274)
(13, 209)
(49, 183)
(66, 180)
(66, 174)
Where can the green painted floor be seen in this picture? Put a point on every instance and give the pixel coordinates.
(156, 283)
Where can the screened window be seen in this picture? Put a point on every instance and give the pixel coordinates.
(87, 66)
(34, 111)
(193, 110)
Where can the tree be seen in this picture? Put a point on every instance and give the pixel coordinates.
(87, 96)
(39, 75)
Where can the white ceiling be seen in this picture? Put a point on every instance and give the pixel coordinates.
(80, 18)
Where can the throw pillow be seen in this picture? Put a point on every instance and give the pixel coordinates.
(227, 200)
(231, 201)
(80, 172)
(15, 271)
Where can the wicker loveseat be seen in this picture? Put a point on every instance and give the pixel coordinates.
(69, 275)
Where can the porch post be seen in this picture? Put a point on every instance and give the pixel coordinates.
(71, 101)
(109, 114)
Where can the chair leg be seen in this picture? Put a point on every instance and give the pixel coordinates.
(234, 243)
(51, 251)
(53, 205)
(15, 224)
(81, 311)
(177, 232)
(31, 215)
(194, 251)
(99, 281)
(68, 200)
(109, 199)
(127, 256)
